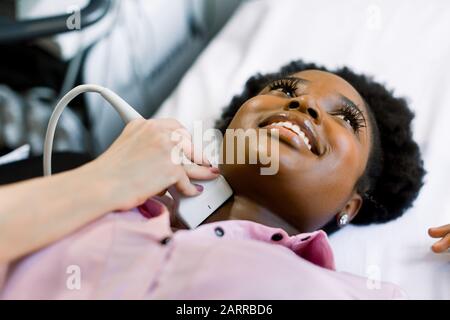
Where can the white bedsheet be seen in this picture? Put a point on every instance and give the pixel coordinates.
(403, 43)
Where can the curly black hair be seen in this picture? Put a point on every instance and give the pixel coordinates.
(394, 171)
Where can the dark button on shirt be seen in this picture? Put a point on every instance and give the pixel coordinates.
(165, 241)
(219, 232)
(277, 237)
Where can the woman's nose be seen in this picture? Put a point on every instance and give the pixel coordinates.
(306, 106)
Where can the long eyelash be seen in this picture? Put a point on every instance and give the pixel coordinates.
(354, 115)
(289, 85)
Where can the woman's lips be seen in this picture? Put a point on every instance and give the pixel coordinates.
(295, 130)
(287, 136)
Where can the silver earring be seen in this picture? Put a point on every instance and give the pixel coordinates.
(343, 219)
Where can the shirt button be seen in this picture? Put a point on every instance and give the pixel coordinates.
(277, 237)
(219, 232)
(165, 241)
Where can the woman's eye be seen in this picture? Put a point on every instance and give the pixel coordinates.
(287, 92)
(351, 116)
(286, 86)
(344, 118)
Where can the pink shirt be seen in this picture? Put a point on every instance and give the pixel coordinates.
(128, 256)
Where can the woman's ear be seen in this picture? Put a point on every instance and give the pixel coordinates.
(350, 209)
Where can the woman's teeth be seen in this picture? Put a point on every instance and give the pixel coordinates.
(295, 128)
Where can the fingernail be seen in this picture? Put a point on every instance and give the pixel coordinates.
(215, 170)
(198, 187)
(151, 208)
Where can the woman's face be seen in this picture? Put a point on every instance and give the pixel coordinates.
(314, 182)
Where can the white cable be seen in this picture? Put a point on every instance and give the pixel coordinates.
(126, 112)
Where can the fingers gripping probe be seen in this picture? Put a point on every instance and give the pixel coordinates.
(126, 112)
(192, 210)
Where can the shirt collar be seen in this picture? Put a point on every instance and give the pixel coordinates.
(313, 246)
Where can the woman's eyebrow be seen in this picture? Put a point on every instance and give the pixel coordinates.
(281, 78)
(344, 100)
(298, 79)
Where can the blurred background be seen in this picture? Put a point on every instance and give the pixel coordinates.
(187, 58)
(138, 48)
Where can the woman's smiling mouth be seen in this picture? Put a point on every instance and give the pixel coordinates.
(292, 131)
(289, 135)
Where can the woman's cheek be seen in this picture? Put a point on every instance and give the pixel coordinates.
(244, 118)
(253, 111)
(346, 150)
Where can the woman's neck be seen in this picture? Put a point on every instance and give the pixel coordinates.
(242, 208)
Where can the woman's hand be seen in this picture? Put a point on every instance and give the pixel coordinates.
(440, 232)
(141, 163)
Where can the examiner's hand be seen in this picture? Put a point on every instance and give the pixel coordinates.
(139, 163)
(440, 232)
